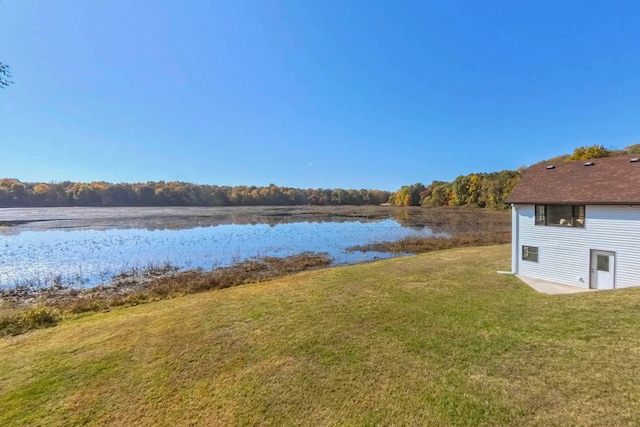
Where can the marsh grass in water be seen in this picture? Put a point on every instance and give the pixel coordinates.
(416, 245)
(25, 308)
(131, 292)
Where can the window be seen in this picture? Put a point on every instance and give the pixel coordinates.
(540, 216)
(561, 215)
(530, 253)
(603, 263)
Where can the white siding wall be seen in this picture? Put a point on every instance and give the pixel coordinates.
(515, 239)
(564, 252)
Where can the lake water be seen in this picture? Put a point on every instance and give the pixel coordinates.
(44, 252)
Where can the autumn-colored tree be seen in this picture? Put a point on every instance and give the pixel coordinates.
(48, 195)
(401, 197)
(84, 194)
(378, 196)
(477, 189)
(218, 196)
(632, 149)
(408, 195)
(591, 152)
(437, 194)
(496, 187)
(338, 197)
(316, 197)
(460, 187)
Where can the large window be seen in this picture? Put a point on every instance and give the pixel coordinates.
(560, 215)
(530, 253)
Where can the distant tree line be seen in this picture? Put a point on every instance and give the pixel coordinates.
(488, 190)
(14, 193)
(485, 190)
(594, 152)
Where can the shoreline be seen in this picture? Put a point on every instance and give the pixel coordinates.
(157, 282)
(126, 283)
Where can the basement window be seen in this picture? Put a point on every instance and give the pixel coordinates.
(530, 253)
(560, 215)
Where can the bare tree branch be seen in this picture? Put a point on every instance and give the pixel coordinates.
(5, 75)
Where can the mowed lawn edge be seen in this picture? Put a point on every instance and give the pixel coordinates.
(432, 339)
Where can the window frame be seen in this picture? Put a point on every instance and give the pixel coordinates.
(540, 213)
(530, 253)
(576, 220)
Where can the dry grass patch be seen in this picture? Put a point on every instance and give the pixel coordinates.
(16, 322)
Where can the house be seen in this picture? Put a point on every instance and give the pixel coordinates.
(578, 223)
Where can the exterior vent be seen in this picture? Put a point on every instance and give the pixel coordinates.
(553, 167)
(634, 160)
(589, 164)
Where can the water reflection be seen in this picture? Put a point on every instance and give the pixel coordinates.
(87, 257)
(448, 220)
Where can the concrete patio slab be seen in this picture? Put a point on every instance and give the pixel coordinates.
(552, 288)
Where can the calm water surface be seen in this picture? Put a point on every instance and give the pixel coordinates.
(87, 257)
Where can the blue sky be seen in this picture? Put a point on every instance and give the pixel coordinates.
(351, 94)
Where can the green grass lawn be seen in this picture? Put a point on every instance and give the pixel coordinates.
(435, 339)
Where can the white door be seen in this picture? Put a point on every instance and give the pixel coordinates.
(602, 270)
